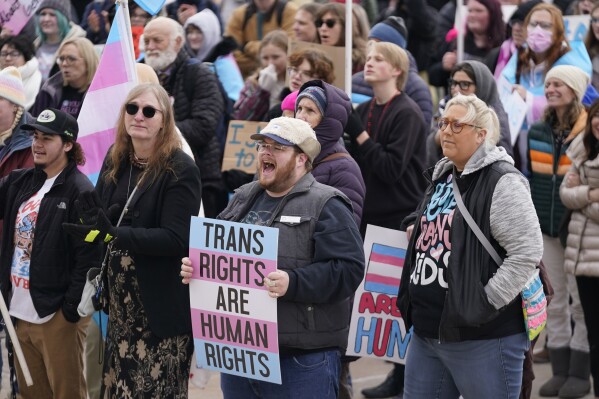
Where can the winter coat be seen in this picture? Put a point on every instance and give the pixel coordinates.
(582, 249)
(548, 167)
(32, 81)
(49, 95)
(198, 106)
(338, 171)
(416, 88)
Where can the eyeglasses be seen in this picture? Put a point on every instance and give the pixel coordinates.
(304, 75)
(11, 54)
(67, 59)
(330, 23)
(595, 21)
(272, 148)
(464, 84)
(147, 111)
(456, 126)
(543, 25)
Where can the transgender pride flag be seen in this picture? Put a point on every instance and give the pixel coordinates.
(384, 269)
(115, 77)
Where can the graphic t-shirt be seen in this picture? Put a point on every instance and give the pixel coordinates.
(71, 101)
(262, 210)
(21, 305)
(428, 282)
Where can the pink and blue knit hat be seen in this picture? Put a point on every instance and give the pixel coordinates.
(11, 86)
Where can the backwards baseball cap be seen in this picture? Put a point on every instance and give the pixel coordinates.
(54, 121)
(291, 131)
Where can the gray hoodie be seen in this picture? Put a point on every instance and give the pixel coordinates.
(514, 224)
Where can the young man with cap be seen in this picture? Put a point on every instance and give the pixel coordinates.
(320, 267)
(43, 271)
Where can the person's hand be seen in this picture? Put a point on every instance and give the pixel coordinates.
(186, 270)
(69, 311)
(267, 78)
(6, 31)
(277, 283)
(594, 195)
(449, 60)
(185, 11)
(521, 90)
(354, 126)
(99, 231)
(409, 231)
(572, 180)
(93, 21)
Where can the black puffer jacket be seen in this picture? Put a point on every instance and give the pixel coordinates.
(198, 106)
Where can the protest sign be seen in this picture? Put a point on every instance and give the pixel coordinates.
(336, 54)
(576, 26)
(234, 320)
(240, 149)
(376, 328)
(14, 14)
(513, 105)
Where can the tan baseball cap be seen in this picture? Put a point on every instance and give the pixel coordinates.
(291, 131)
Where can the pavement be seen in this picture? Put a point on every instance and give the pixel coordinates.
(366, 373)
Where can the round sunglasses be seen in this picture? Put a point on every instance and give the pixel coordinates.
(147, 111)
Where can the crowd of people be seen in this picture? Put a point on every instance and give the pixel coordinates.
(422, 143)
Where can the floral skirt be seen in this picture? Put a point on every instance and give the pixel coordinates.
(137, 363)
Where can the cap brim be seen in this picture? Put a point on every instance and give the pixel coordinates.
(41, 128)
(280, 140)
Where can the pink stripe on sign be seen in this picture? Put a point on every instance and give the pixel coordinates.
(95, 147)
(239, 331)
(241, 271)
(377, 278)
(390, 260)
(112, 66)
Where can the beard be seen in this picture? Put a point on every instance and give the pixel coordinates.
(162, 60)
(284, 177)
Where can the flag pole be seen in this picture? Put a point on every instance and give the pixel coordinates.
(348, 46)
(15, 341)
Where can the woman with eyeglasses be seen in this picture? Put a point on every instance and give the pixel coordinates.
(453, 294)
(592, 45)
(17, 51)
(263, 89)
(53, 26)
(563, 120)
(579, 192)
(546, 47)
(149, 340)
(78, 61)
(330, 23)
(470, 77)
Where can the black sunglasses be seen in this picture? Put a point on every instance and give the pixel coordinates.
(147, 111)
(330, 23)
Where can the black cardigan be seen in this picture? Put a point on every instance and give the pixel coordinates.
(158, 238)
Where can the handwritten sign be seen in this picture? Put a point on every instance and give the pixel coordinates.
(233, 318)
(576, 26)
(14, 14)
(377, 328)
(240, 149)
(336, 54)
(514, 106)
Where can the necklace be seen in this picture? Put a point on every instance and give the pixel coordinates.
(369, 124)
(141, 163)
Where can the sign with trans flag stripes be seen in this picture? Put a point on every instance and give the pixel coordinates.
(377, 328)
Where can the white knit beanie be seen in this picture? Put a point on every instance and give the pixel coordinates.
(574, 77)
